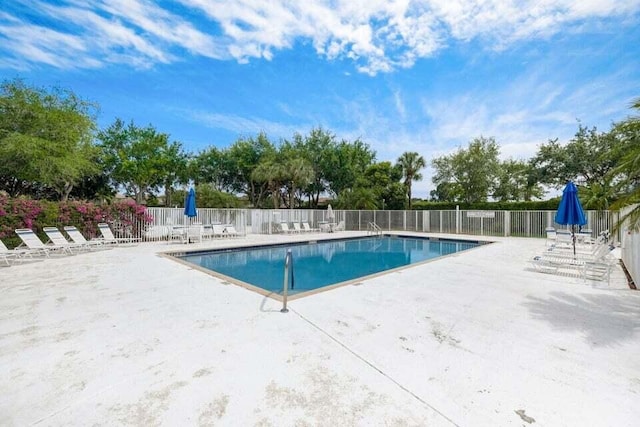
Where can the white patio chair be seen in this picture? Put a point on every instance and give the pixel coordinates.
(109, 237)
(306, 227)
(57, 239)
(218, 230)
(9, 256)
(589, 266)
(194, 233)
(564, 237)
(32, 242)
(284, 227)
(551, 236)
(231, 231)
(297, 228)
(77, 237)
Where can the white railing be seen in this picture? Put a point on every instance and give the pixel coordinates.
(631, 255)
(631, 250)
(372, 228)
(481, 223)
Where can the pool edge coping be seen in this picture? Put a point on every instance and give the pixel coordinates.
(276, 296)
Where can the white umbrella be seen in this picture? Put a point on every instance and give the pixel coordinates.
(330, 212)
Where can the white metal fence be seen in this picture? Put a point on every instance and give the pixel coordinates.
(481, 223)
(631, 255)
(631, 250)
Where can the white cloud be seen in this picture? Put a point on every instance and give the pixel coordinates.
(377, 35)
(135, 32)
(244, 126)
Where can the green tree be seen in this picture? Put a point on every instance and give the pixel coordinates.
(242, 157)
(298, 173)
(383, 179)
(139, 159)
(211, 197)
(514, 182)
(319, 150)
(468, 175)
(348, 162)
(629, 169)
(589, 159)
(176, 170)
(411, 163)
(271, 172)
(357, 198)
(45, 140)
(212, 166)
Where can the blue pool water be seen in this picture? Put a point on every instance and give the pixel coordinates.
(316, 265)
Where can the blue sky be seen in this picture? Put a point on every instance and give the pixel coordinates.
(424, 76)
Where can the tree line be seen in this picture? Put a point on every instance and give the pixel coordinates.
(51, 147)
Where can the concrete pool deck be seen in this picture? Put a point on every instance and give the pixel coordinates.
(128, 337)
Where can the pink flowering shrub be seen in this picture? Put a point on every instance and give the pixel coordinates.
(126, 217)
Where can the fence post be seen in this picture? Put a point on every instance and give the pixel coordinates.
(457, 219)
(507, 223)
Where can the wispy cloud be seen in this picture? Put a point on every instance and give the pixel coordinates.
(377, 35)
(244, 126)
(84, 35)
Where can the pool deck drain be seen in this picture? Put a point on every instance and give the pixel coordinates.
(128, 337)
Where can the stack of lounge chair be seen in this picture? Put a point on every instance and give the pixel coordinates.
(592, 260)
(33, 248)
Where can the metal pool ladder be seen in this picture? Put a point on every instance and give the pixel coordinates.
(288, 263)
(373, 228)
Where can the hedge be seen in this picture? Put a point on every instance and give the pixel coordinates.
(543, 205)
(23, 212)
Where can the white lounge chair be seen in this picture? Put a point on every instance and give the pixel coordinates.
(339, 227)
(564, 237)
(231, 231)
(178, 232)
(306, 227)
(585, 252)
(284, 227)
(108, 236)
(32, 242)
(218, 230)
(9, 256)
(297, 228)
(78, 238)
(592, 266)
(57, 239)
(551, 235)
(194, 233)
(207, 231)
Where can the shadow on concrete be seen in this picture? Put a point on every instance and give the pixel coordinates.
(263, 307)
(604, 320)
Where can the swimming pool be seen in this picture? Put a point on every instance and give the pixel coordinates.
(324, 263)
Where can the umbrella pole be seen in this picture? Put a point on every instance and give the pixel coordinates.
(573, 238)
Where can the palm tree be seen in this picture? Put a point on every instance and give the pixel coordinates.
(299, 173)
(272, 172)
(411, 163)
(630, 167)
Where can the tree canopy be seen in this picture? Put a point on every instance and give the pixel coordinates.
(141, 159)
(46, 140)
(50, 147)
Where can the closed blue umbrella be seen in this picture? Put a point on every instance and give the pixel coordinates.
(190, 204)
(570, 210)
